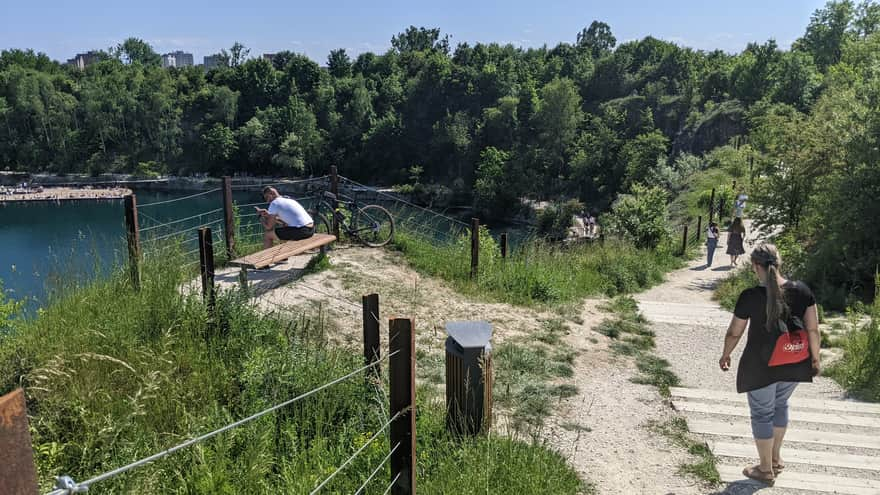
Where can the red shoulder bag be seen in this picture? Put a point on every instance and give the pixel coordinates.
(792, 346)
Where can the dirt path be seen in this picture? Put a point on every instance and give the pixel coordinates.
(601, 430)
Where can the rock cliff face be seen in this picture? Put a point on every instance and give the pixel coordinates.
(713, 129)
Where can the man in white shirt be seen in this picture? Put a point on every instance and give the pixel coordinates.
(284, 220)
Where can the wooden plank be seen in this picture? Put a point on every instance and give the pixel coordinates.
(801, 456)
(18, 474)
(826, 405)
(806, 481)
(742, 430)
(402, 399)
(266, 257)
(794, 413)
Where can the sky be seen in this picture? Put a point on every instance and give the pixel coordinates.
(202, 27)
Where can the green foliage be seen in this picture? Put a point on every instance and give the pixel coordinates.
(114, 375)
(729, 289)
(640, 217)
(859, 368)
(555, 220)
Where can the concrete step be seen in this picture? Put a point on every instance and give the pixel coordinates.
(805, 481)
(742, 430)
(800, 415)
(800, 456)
(851, 407)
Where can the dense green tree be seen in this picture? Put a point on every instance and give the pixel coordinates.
(339, 63)
(597, 39)
(827, 32)
(137, 51)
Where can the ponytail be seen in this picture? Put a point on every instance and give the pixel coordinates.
(767, 256)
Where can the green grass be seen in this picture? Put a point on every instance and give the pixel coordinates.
(706, 467)
(539, 273)
(858, 370)
(113, 375)
(730, 288)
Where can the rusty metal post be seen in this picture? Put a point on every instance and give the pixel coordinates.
(206, 264)
(712, 206)
(133, 237)
(504, 245)
(402, 385)
(475, 247)
(18, 474)
(371, 332)
(229, 218)
(334, 188)
(684, 241)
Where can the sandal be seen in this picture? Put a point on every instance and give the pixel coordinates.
(778, 466)
(755, 473)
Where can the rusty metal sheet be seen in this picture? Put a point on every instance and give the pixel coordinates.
(17, 471)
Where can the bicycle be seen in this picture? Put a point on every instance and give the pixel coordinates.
(372, 225)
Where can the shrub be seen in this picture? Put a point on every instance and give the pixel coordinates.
(555, 220)
(640, 217)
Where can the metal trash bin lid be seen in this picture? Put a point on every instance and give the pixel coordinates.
(470, 334)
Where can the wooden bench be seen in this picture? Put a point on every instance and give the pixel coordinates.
(279, 252)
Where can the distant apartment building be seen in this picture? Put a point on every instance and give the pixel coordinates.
(213, 61)
(83, 60)
(177, 59)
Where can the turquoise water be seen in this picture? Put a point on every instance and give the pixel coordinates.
(44, 241)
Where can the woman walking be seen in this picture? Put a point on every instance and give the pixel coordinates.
(774, 308)
(711, 242)
(735, 236)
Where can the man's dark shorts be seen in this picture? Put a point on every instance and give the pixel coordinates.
(294, 233)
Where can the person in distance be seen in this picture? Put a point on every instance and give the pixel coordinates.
(284, 220)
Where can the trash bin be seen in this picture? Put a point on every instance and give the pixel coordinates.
(468, 376)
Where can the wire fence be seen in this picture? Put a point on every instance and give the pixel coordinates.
(65, 485)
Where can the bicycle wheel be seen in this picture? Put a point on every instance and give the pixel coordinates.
(373, 225)
(322, 226)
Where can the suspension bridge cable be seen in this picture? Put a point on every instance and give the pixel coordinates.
(353, 456)
(81, 487)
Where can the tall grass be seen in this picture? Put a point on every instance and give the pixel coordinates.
(114, 375)
(539, 272)
(859, 368)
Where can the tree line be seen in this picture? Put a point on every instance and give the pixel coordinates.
(488, 124)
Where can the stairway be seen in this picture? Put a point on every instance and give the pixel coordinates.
(832, 446)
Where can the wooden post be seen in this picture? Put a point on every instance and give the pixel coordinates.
(334, 188)
(206, 262)
(699, 227)
(684, 240)
(475, 246)
(504, 245)
(721, 212)
(734, 188)
(371, 332)
(18, 474)
(402, 385)
(712, 206)
(134, 240)
(229, 217)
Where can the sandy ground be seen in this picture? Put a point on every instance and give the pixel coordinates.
(67, 193)
(602, 430)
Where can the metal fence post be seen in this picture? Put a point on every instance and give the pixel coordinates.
(206, 265)
(402, 384)
(371, 332)
(229, 218)
(18, 474)
(133, 237)
(712, 206)
(334, 188)
(475, 246)
(699, 226)
(684, 240)
(504, 245)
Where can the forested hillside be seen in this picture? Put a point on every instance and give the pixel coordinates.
(493, 123)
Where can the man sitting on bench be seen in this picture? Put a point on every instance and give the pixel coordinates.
(285, 219)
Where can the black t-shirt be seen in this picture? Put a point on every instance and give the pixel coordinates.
(753, 372)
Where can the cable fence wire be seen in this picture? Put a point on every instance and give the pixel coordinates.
(279, 183)
(175, 200)
(180, 220)
(375, 471)
(391, 485)
(358, 452)
(68, 487)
